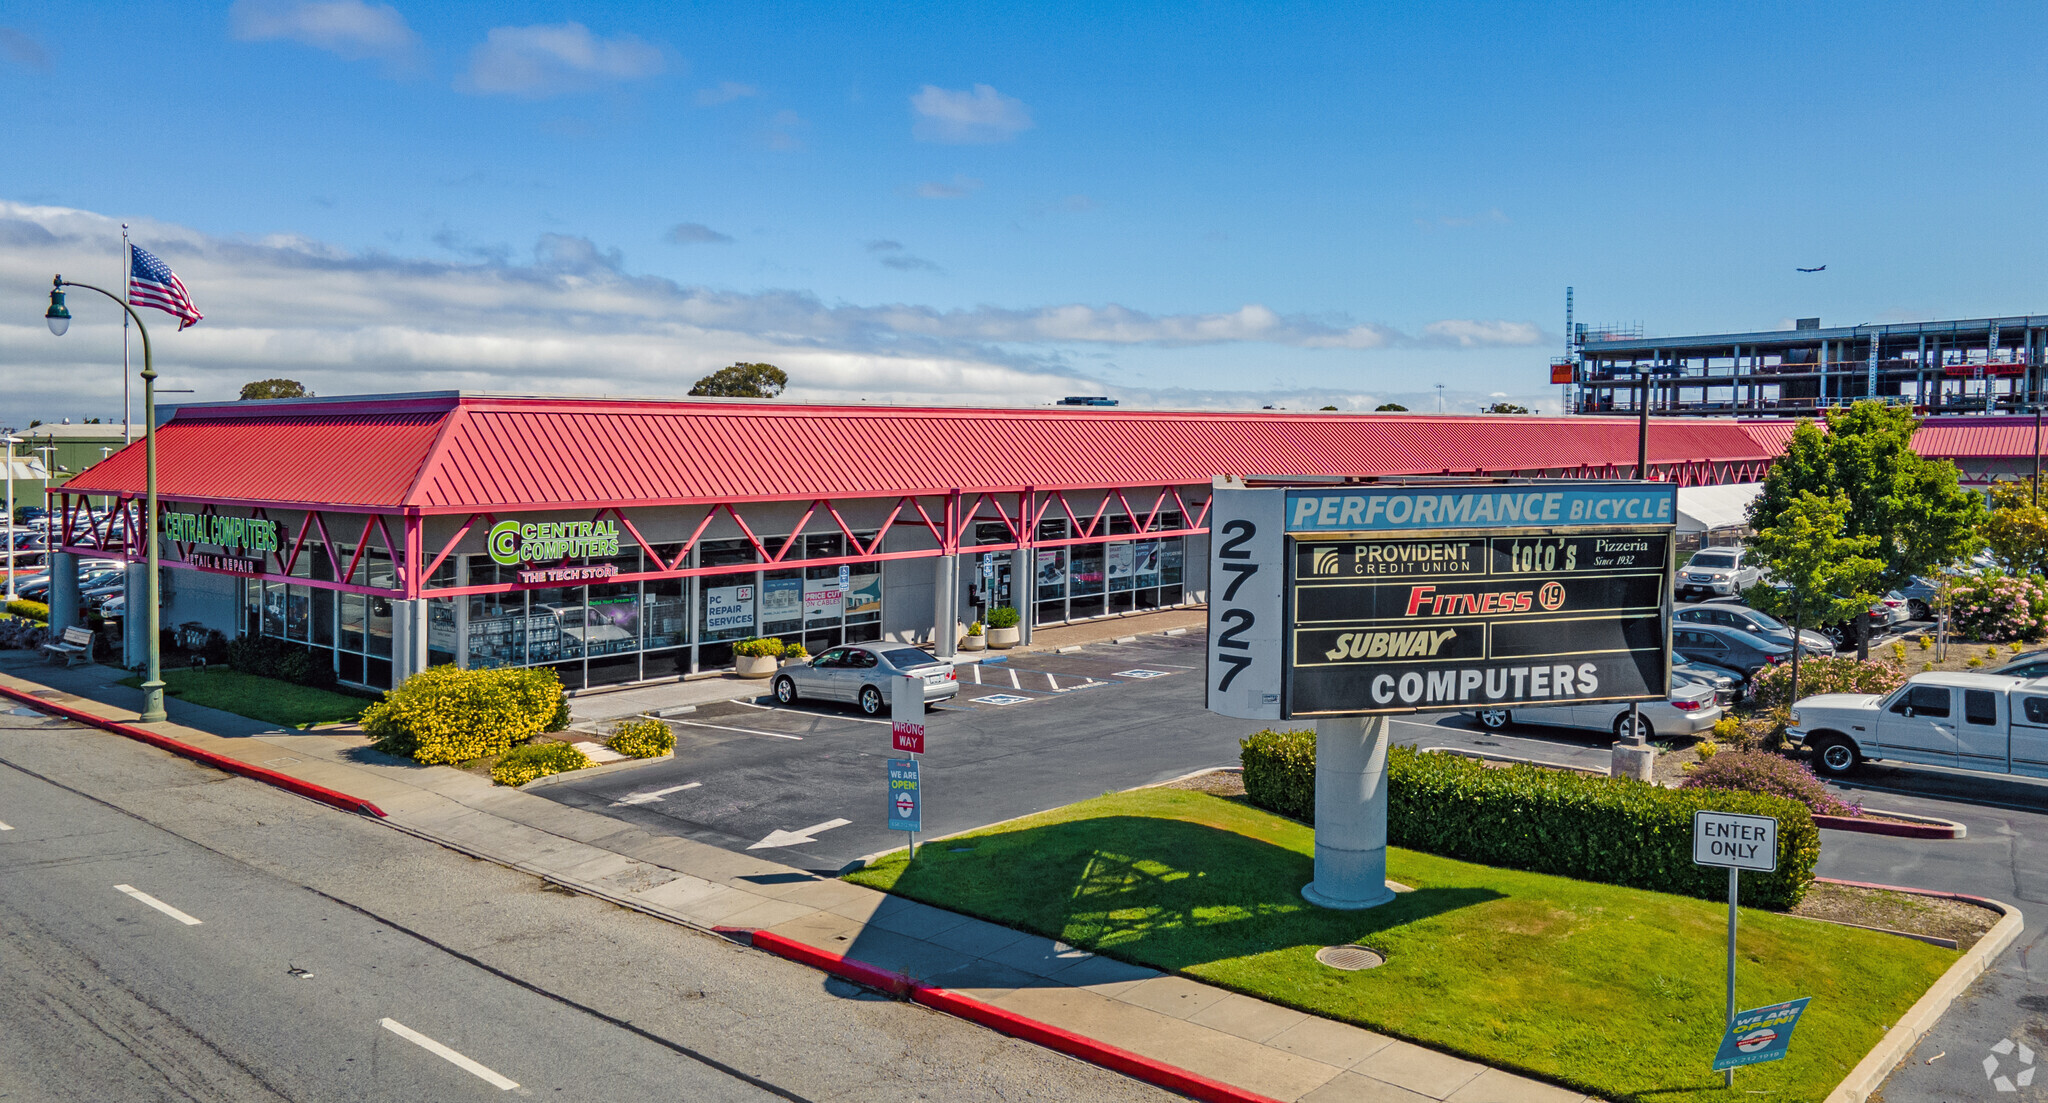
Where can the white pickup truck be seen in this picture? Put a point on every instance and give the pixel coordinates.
(1986, 722)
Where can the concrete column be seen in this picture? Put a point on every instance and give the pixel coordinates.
(402, 633)
(63, 592)
(1351, 814)
(419, 634)
(135, 617)
(946, 606)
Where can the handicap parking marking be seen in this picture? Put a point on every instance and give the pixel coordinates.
(1002, 699)
(1141, 673)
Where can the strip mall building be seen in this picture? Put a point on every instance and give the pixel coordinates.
(628, 541)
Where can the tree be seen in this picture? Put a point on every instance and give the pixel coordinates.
(275, 388)
(742, 381)
(1506, 408)
(1329, 409)
(1914, 508)
(1820, 574)
(2015, 528)
(1390, 408)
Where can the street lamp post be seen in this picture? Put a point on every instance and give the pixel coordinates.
(59, 318)
(11, 442)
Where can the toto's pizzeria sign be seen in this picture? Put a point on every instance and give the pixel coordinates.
(512, 543)
(1336, 601)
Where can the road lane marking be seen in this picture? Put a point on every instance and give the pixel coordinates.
(724, 728)
(158, 905)
(1014, 683)
(649, 798)
(1052, 681)
(976, 668)
(800, 835)
(4, 827)
(501, 1083)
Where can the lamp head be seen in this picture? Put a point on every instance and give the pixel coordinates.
(59, 316)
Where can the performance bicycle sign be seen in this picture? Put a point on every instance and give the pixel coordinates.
(1345, 601)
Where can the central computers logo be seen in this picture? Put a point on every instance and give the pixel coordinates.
(512, 543)
(2022, 1064)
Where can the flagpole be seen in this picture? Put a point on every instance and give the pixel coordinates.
(127, 280)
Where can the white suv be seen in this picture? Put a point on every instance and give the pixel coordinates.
(1718, 572)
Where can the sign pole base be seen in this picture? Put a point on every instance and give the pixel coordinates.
(1351, 814)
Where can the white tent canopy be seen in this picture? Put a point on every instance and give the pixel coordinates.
(1706, 508)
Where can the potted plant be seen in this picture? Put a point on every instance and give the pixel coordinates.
(758, 657)
(1002, 628)
(793, 652)
(974, 640)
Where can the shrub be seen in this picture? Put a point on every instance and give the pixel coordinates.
(1760, 731)
(1844, 674)
(444, 715)
(1926, 641)
(794, 650)
(975, 629)
(1994, 605)
(522, 764)
(1003, 616)
(29, 610)
(1706, 749)
(286, 662)
(1763, 772)
(1280, 772)
(1899, 650)
(1975, 662)
(760, 647)
(216, 648)
(642, 739)
(22, 635)
(1592, 828)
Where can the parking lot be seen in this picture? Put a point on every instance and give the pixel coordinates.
(1027, 732)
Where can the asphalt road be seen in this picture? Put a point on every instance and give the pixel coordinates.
(268, 948)
(1035, 732)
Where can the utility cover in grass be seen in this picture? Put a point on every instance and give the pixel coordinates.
(1613, 991)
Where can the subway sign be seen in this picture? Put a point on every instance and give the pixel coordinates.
(1385, 599)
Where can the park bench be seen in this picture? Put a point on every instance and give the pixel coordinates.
(76, 646)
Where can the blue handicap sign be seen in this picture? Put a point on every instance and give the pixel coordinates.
(906, 809)
(1759, 1035)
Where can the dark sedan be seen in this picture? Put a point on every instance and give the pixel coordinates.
(1762, 625)
(1727, 648)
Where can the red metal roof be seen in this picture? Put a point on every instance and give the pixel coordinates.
(470, 452)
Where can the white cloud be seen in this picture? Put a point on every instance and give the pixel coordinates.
(695, 233)
(938, 189)
(550, 60)
(349, 29)
(978, 116)
(1467, 333)
(726, 92)
(568, 318)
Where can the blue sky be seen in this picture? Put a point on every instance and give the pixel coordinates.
(1186, 205)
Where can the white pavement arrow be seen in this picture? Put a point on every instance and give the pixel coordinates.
(650, 798)
(801, 835)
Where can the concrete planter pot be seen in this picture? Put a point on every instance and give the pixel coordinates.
(973, 643)
(755, 666)
(1002, 639)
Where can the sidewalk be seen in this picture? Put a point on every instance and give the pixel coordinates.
(1258, 1048)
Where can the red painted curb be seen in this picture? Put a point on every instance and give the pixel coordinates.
(1170, 1077)
(1886, 827)
(219, 762)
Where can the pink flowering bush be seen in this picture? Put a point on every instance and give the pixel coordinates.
(1776, 775)
(1998, 606)
(1843, 674)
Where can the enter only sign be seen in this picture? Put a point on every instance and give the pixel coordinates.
(1735, 841)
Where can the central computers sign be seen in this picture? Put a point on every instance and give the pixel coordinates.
(1388, 598)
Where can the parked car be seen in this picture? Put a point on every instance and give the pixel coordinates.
(1727, 647)
(864, 673)
(1718, 571)
(1689, 710)
(1757, 623)
(1985, 722)
(1729, 685)
(2029, 664)
(1919, 594)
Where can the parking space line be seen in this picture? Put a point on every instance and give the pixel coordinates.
(1052, 681)
(4, 827)
(502, 1083)
(1014, 683)
(158, 905)
(749, 731)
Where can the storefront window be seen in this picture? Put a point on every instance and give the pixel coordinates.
(666, 621)
(554, 626)
(782, 602)
(353, 613)
(377, 631)
(497, 630)
(323, 617)
(440, 629)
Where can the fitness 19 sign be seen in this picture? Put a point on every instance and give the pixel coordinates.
(512, 543)
(1382, 599)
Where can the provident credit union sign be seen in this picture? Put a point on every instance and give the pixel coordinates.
(1406, 598)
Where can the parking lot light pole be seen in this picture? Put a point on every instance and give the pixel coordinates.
(11, 442)
(59, 318)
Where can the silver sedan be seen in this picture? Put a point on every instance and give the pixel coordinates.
(863, 674)
(1690, 710)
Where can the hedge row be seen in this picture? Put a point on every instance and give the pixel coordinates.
(31, 610)
(446, 715)
(1591, 828)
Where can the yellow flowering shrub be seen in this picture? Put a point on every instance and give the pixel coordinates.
(447, 715)
(643, 739)
(522, 764)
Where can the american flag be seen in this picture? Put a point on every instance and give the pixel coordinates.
(152, 283)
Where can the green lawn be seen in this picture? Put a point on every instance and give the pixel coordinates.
(1614, 991)
(265, 699)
